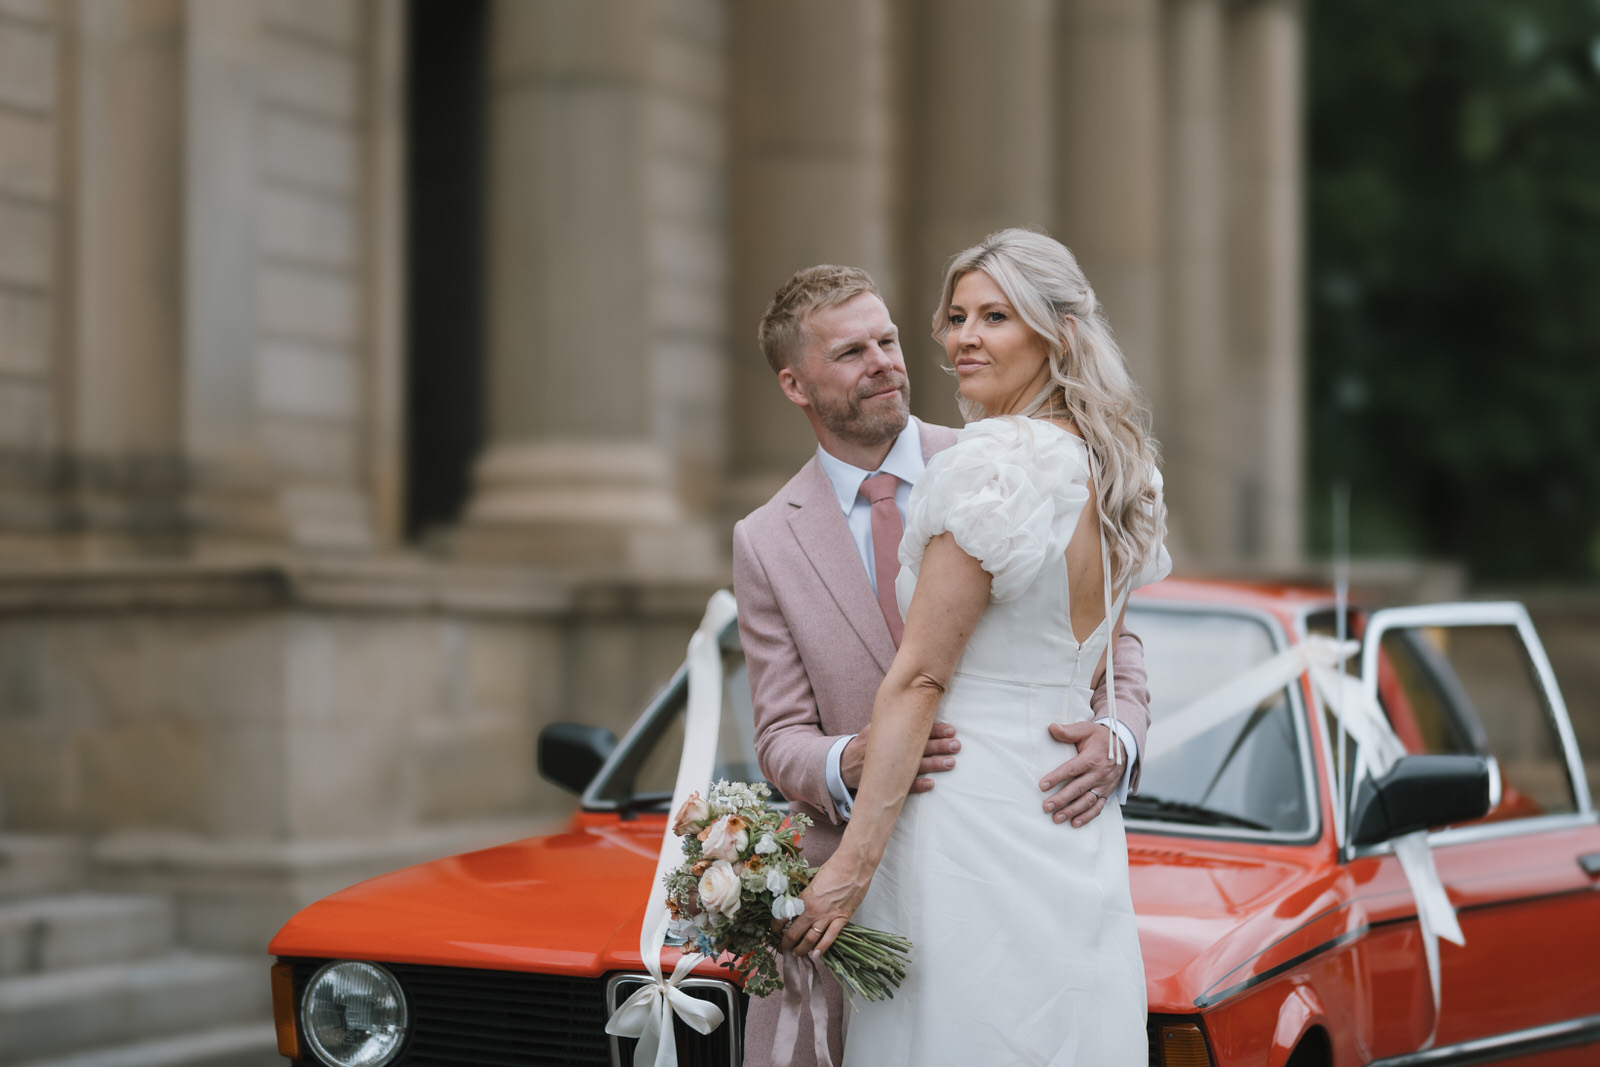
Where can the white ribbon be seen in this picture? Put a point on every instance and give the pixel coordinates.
(647, 1014)
(1378, 749)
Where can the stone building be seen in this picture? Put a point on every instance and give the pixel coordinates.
(377, 377)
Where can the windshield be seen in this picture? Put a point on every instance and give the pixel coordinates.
(1247, 772)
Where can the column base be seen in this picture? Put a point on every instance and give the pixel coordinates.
(62, 506)
(605, 508)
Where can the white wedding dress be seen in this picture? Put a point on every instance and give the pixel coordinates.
(1025, 949)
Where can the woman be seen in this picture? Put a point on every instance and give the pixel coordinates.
(1022, 541)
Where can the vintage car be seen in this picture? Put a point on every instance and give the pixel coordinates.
(1276, 922)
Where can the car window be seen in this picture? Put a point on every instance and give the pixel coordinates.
(648, 768)
(736, 753)
(1473, 690)
(1248, 767)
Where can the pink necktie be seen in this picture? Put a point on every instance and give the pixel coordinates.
(886, 530)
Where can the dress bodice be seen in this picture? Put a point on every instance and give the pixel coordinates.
(1011, 491)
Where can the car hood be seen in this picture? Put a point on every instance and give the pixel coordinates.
(1211, 920)
(569, 903)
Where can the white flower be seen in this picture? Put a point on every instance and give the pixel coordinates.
(787, 907)
(725, 838)
(720, 889)
(733, 796)
(767, 845)
(694, 812)
(777, 882)
(682, 928)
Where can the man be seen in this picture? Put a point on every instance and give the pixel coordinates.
(813, 571)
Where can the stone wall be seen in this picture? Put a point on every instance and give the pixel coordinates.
(252, 737)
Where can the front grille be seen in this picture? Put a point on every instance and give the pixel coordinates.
(465, 1017)
(717, 1049)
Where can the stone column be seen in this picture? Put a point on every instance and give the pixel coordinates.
(222, 166)
(1267, 242)
(1110, 177)
(605, 277)
(119, 376)
(1193, 432)
(33, 215)
(981, 114)
(812, 106)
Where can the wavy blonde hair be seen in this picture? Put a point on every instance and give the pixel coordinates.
(1089, 379)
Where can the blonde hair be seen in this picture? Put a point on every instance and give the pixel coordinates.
(814, 288)
(1089, 379)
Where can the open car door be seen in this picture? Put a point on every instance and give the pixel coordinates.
(1473, 679)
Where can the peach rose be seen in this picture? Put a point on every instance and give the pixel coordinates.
(726, 838)
(694, 811)
(720, 889)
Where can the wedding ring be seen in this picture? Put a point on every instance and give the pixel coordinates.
(1096, 795)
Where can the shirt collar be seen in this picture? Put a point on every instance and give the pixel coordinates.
(904, 461)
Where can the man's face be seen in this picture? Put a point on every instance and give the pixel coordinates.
(851, 375)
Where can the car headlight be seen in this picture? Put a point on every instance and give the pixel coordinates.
(354, 1015)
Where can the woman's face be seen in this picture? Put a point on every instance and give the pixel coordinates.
(1000, 362)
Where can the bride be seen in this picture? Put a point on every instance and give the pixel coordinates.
(1021, 544)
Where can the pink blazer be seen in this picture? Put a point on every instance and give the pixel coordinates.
(817, 645)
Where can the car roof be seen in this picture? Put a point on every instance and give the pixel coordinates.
(1286, 601)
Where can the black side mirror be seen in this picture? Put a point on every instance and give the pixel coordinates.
(570, 755)
(1420, 793)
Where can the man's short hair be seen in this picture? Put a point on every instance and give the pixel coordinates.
(782, 329)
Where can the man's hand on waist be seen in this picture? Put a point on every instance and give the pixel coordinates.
(937, 755)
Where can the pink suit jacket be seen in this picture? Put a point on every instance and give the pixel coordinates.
(817, 649)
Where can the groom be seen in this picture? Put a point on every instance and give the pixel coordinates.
(814, 570)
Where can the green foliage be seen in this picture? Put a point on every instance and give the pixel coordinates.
(1454, 209)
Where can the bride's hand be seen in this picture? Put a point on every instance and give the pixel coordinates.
(830, 899)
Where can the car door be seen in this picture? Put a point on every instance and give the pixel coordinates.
(1474, 679)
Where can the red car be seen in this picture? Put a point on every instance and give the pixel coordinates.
(1277, 924)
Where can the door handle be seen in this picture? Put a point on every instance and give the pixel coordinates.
(1590, 864)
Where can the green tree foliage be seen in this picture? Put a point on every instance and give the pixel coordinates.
(1455, 279)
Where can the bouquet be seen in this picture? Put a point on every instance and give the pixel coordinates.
(742, 870)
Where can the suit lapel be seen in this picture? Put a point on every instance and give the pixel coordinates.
(820, 530)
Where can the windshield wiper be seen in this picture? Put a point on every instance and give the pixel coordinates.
(1183, 811)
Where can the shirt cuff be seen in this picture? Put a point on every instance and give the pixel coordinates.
(1129, 750)
(842, 800)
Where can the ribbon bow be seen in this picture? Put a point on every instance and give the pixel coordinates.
(647, 1014)
(1377, 750)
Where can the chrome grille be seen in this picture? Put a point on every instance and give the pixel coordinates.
(722, 1047)
(468, 1017)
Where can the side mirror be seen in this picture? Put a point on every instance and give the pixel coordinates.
(571, 755)
(1421, 793)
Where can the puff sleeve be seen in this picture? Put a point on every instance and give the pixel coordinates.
(1009, 490)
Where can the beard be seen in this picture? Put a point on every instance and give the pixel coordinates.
(849, 421)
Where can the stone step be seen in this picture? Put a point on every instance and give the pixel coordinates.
(34, 864)
(245, 1045)
(61, 931)
(60, 1012)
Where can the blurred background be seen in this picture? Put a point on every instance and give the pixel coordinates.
(378, 379)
